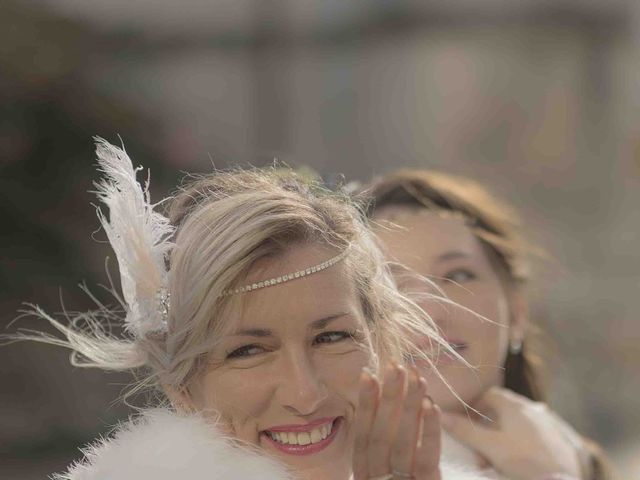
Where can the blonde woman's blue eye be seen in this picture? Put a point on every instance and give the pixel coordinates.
(332, 337)
(246, 351)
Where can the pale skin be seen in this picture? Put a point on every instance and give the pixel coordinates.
(296, 355)
(523, 439)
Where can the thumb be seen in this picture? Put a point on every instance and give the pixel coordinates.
(479, 437)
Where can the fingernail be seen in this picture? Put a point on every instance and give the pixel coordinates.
(391, 373)
(369, 374)
(369, 371)
(368, 380)
(368, 385)
(421, 388)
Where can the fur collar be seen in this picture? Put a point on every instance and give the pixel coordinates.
(161, 445)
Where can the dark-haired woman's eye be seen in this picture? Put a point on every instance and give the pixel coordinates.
(245, 351)
(460, 275)
(332, 337)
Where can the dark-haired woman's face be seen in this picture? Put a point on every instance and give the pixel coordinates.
(446, 251)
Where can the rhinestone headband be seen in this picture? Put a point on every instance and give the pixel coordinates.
(285, 278)
(164, 299)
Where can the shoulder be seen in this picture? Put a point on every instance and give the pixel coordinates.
(161, 445)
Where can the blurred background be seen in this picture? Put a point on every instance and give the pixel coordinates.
(537, 99)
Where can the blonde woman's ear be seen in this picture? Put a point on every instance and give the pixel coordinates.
(180, 399)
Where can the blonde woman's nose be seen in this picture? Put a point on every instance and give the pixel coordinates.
(302, 389)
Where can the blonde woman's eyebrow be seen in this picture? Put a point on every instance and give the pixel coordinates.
(252, 332)
(264, 332)
(325, 321)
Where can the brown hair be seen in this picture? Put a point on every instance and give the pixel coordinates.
(497, 227)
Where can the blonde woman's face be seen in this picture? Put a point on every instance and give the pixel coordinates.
(286, 377)
(447, 252)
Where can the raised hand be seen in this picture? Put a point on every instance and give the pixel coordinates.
(525, 440)
(397, 428)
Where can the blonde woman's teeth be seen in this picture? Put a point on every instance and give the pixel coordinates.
(302, 438)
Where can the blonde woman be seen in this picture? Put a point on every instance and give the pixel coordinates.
(452, 230)
(257, 308)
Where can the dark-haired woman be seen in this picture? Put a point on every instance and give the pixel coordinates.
(453, 231)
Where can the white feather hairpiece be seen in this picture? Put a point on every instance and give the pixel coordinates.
(139, 236)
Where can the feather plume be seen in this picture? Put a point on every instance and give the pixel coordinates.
(139, 236)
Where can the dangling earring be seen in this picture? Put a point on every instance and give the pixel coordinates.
(515, 347)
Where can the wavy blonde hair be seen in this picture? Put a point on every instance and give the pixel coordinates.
(226, 222)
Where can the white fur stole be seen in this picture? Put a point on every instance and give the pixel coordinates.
(161, 445)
